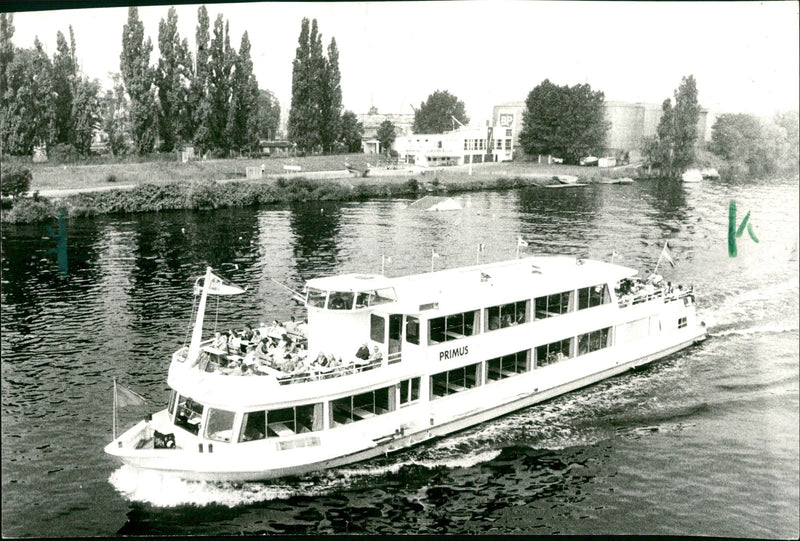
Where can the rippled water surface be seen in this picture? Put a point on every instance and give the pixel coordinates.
(704, 442)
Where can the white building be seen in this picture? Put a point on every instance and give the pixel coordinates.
(460, 147)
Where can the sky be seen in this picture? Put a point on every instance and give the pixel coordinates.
(743, 55)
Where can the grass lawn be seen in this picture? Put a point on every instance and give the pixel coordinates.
(76, 178)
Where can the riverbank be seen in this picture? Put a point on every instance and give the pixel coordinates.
(81, 195)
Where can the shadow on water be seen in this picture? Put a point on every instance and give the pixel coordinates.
(315, 226)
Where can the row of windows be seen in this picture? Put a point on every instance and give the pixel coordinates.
(460, 325)
(258, 425)
(474, 144)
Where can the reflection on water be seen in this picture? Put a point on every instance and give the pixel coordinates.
(601, 460)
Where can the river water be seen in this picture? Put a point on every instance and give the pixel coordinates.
(704, 442)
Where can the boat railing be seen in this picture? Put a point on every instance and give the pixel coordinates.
(317, 373)
(666, 294)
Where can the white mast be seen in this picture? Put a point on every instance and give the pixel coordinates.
(197, 332)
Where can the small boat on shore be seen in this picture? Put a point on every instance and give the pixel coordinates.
(692, 175)
(566, 179)
(383, 364)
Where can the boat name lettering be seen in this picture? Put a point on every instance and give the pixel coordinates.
(453, 353)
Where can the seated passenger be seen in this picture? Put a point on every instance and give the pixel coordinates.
(376, 354)
(248, 333)
(220, 341)
(363, 352)
(290, 326)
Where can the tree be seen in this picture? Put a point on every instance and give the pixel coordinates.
(269, 114)
(221, 60)
(352, 131)
(86, 113)
(172, 76)
(198, 91)
(64, 78)
(687, 111)
(567, 122)
(330, 99)
(28, 118)
(243, 114)
(673, 148)
(6, 57)
(138, 78)
(761, 146)
(790, 122)
(115, 116)
(437, 113)
(386, 135)
(316, 92)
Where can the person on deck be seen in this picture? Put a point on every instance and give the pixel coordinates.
(363, 352)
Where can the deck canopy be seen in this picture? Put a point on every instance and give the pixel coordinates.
(350, 291)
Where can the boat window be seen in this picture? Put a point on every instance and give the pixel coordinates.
(507, 315)
(681, 322)
(409, 390)
(375, 297)
(592, 341)
(341, 300)
(188, 414)
(254, 426)
(553, 305)
(507, 365)
(362, 406)
(316, 297)
(377, 328)
(412, 330)
(553, 352)
(453, 327)
(296, 420)
(589, 297)
(220, 425)
(455, 381)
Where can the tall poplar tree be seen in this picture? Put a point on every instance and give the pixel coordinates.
(198, 94)
(687, 111)
(331, 99)
(219, 84)
(243, 114)
(64, 80)
(138, 78)
(6, 57)
(301, 89)
(172, 76)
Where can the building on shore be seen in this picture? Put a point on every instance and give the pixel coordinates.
(403, 124)
(630, 125)
(463, 146)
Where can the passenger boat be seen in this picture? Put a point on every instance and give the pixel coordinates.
(446, 350)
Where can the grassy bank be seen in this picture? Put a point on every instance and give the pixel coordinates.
(200, 195)
(82, 191)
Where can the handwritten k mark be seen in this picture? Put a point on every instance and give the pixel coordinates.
(734, 233)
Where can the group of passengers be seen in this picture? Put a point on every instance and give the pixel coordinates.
(654, 283)
(282, 348)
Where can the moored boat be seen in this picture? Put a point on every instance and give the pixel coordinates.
(692, 175)
(386, 363)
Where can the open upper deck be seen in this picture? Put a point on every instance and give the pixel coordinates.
(455, 289)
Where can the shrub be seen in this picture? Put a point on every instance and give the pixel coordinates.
(413, 185)
(111, 178)
(29, 211)
(61, 153)
(15, 180)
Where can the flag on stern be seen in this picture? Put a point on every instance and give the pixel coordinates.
(127, 397)
(666, 255)
(218, 286)
(521, 243)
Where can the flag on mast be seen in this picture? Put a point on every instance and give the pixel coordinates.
(666, 255)
(127, 397)
(521, 243)
(218, 286)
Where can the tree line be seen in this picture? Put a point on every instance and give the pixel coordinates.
(210, 99)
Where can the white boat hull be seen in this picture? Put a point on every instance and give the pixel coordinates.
(379, 436)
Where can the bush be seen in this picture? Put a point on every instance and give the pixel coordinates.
(15, 180)
(61, 154)
(413, 185)
(111, 178)
(29, 210)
